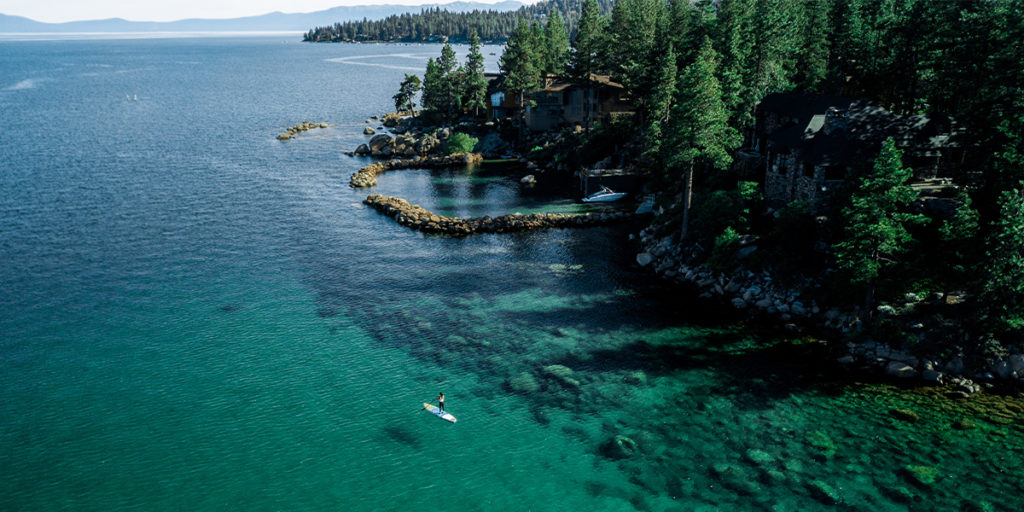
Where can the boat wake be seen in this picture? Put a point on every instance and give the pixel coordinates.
(359, 60)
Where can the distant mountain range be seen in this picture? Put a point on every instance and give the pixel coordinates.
(275, 21)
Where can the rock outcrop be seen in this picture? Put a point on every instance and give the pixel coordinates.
(292, 131)
(418, 218)
(367, 175)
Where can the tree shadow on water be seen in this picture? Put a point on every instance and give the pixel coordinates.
(751, 376)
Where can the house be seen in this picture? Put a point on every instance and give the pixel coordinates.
(561, 102)
(498, 106)
(810, 144)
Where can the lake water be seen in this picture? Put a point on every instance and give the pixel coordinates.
(196, 316)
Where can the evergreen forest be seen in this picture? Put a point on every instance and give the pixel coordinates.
(440, 25)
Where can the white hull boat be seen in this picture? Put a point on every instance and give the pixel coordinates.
(605, 195)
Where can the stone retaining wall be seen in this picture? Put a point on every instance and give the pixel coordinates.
(415, 217)
(367, 176)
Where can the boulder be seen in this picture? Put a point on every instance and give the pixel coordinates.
(369, 131)
(619, 447)
(529, 179)
(644, 259)
(955, 366)
(1001, 369)
(378, 142)
(1016, 363)
(824, 492)
(900, 370)
(562, 374)
(739, 303)
(363, 150)
(636, 378)
(920, 475)
(492, 146)
(933, 376)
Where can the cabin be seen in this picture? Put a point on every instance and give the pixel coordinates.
(498, 106)
(809, 145)
(561, 102)
(565, 102)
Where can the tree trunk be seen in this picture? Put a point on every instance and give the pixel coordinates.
(522, 119)
(687, 195)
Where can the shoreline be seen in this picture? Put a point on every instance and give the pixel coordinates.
(757, 297)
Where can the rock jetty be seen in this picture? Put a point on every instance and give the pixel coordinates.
(367, 176)
(418, 218)
(292, 131)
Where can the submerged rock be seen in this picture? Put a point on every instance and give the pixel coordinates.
(905, 415)
(964, 424)
(524, 383)
(619, 447)
(636, 378)
(900, 370)
(920, 475)
(823, 446)
(562, 374)
(824, 492)
(735, 478)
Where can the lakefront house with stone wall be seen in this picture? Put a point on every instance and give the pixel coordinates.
(809, 145)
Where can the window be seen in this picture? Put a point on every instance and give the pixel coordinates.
(808, 170)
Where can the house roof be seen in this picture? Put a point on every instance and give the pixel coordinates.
(806, 128)
(558, 83)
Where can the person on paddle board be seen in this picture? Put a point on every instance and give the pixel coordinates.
(440, 401)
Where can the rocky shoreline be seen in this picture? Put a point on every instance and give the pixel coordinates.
(292, 131)
(417, 218)
(366, 176)
(761, 296)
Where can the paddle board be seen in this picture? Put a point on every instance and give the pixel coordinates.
(439, 413)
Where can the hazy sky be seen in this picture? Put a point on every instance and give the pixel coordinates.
(55, 11)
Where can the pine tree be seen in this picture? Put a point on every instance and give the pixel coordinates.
(779, 27)
(662, 92)
(1003, 291)
(588, 46)
(556, 45)
(432, 87)
(735, 42)
(960, 239)
(406, 92)
(813, 59)
(476, 83)
(519, 67)
(699, 135)
(876, 231)
(632, 30)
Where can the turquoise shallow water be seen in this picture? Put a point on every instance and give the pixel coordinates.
(197, 316)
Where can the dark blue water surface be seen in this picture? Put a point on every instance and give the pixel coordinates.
(195, 315)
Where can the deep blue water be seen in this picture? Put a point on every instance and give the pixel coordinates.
(194, 315)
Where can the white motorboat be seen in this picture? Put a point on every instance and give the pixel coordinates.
(605, 195)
